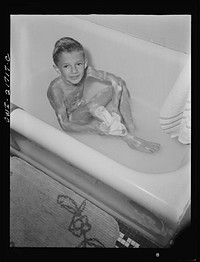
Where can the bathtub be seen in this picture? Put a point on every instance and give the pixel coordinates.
(149, 192)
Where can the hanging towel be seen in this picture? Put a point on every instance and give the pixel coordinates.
(175, 114)
(110, 122)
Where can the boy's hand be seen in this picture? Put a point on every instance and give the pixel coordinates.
(92, 72)
(117, 81)
(99, 129)
(105, 76)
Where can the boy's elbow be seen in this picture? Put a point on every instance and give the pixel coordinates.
(67, 127)
(64, 125)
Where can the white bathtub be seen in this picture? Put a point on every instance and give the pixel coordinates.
(150, 192)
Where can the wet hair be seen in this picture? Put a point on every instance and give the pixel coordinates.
(66, 44)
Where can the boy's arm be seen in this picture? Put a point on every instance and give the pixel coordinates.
(60, 110)
(71, 127)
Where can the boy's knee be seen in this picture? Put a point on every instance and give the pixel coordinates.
(118, 88)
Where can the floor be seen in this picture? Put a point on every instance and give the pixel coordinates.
(131, 238)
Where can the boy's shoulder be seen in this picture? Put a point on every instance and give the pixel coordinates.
(55, 83)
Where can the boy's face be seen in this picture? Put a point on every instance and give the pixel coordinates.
(71, 66)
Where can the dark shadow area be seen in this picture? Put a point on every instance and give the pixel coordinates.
(184, 242)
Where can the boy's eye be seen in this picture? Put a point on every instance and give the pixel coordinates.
(66, 66)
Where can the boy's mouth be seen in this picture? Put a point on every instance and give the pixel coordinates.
(75, 77)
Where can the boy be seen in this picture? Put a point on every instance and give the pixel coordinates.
(75, 114)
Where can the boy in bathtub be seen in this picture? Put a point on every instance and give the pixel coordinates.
(75, 113)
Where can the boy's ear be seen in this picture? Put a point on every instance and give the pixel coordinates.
(86, 63)
(56, 68)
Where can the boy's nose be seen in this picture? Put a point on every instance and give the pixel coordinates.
(74, 70)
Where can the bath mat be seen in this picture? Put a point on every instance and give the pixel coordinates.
(44, 213)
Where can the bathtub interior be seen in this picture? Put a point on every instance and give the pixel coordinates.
(148, 69)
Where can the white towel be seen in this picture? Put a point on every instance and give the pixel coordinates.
(175, 114)
(111, 122)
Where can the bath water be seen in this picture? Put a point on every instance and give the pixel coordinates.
(146, 119)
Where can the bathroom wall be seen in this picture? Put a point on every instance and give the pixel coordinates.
(171, 31)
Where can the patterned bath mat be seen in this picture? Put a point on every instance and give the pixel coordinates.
(44, 213)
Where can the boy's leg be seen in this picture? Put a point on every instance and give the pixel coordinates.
(83, 114)
(125, 110)
(102, 98)
(133, 141)
(140, 144)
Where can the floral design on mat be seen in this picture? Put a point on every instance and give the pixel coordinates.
(79, 225)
